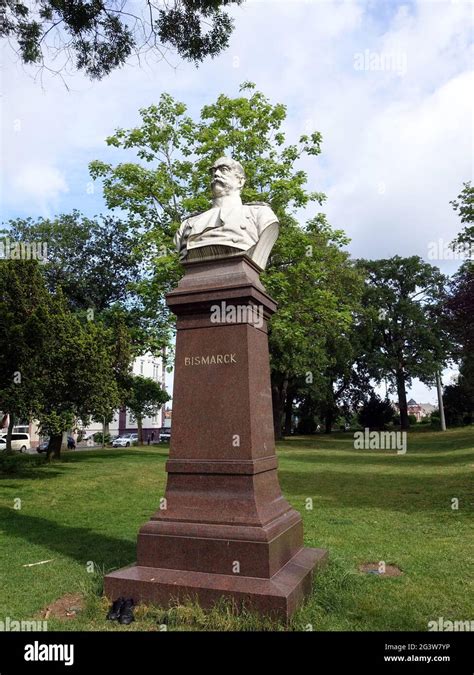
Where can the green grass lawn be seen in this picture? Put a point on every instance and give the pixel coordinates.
(368, 506)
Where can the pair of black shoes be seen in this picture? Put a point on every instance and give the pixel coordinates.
(122, 611)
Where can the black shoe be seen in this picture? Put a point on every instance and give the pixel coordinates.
(126, 613)
(114, 611)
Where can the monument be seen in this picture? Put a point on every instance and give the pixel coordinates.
(223, 528)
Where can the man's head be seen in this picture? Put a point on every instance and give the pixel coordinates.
(227, 176)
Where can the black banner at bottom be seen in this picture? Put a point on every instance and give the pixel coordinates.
(69, 652)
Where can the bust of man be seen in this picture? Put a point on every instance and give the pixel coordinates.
(229, 227)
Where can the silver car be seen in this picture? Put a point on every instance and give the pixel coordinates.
(125, 441)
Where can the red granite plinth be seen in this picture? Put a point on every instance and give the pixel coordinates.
(224, 528)
(279, 596)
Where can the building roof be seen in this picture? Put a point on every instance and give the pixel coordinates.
(412, 402)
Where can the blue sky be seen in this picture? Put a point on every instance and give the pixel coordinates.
(397, 134)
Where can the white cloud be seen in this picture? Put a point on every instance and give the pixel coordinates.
(396, 148)
(38, 185)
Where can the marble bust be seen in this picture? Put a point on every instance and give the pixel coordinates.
(229, 227)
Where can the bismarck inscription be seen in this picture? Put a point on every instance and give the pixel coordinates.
(211, 360)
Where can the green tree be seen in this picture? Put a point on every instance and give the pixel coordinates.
(346, 380)
(119, 347)
(24, 301)
(99, 36)
(91, 259)
(464, 206)
(458, 314)
(401, 323)
(318, 290)
(145, 398)
(93, 262)
(56, 368)
(459, 307)
(78, 379)
(376, 413)
(459, 400)
(309, 275)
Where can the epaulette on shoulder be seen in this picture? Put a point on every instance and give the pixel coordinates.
(256, 204)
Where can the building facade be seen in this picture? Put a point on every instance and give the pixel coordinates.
(123, 421)
(419, 410)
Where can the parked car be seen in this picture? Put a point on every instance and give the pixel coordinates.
(20, 442)
(43, 446)
(164, 434)
(125, 440)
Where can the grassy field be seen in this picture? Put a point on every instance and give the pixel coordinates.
(368, 506)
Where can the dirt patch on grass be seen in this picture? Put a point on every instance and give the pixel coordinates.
(66, 607)
(379, 569)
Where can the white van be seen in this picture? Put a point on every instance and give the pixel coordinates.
(20, 442)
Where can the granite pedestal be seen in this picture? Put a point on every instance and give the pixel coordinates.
(225, 529)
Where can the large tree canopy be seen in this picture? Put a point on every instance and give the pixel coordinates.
(89, 258)
(97, 36)
(24, 303)
(458, 313)
(55, 367)
(400, 324)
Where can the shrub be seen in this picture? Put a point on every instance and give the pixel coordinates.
(17, 463)
(435, 420)
(98, 438)
(376, 412)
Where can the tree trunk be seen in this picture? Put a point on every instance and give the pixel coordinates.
(330, 405)
(290, 397)
(54, 447)
(278, 399)
(439, 388)
(277, 412)
(328, 420)
(105, 431)
(11, 424)
(402, 401)
(140, 430)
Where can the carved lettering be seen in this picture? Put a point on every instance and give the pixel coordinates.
(211, 360)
